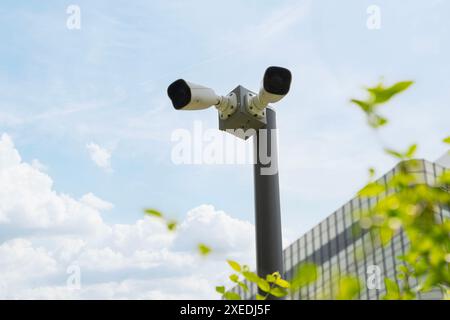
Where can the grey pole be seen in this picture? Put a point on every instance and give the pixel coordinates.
(269, 256)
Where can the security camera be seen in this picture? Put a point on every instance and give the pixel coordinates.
(276, 84)
(241, 109)
(190, 96)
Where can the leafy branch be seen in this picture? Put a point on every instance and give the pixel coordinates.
(378, 96)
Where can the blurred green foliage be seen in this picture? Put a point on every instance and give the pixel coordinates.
(348, 288)
(170, 224)
(203, 249)
(273, 284)
(410, 204)
(153, 212)
(378, 96)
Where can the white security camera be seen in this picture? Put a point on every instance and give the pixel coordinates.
(241, 109)
(190, 96)
(276, 84)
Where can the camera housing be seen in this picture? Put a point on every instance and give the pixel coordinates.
(190, 96)
(275, 86)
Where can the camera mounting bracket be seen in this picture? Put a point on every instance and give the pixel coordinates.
(243, 123)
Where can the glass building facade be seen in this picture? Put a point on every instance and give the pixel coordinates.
(335, 247)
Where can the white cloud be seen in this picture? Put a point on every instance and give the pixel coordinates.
(42, 232)
(20, 260)
(100, 156)
(29, 205)
(35, 163)
(95, 202)
(8, 154)
(224, 233)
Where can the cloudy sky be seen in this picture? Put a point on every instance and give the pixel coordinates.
(85, 131)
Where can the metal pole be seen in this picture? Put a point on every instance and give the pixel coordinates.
(269, 256)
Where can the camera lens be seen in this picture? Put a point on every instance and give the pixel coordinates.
(277, 80)
(180, 94)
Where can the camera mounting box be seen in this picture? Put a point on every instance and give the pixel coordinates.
(241, 122)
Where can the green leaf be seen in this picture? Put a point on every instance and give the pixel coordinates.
(305, 274)
(243, 286)
(447, 140)
(203, 249)
(394, 153)
(260, 297)
(231, 296)
(364, 105)
(445, 178)
(234, 265)
(172, 225)
(372, 189)
(234, 278)
(276, 275)
(349, 288)
(404, 269)
(153, 212)
(270, 278)
(282, 283)
(220, 289)
(372, 173)
(376, 121)
(411, 151)
(381, 94)
(392, 290)
(386, 235)
(264, 285)
(251, 276)
(278, 292)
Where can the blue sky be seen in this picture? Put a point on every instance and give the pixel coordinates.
(106, 84)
